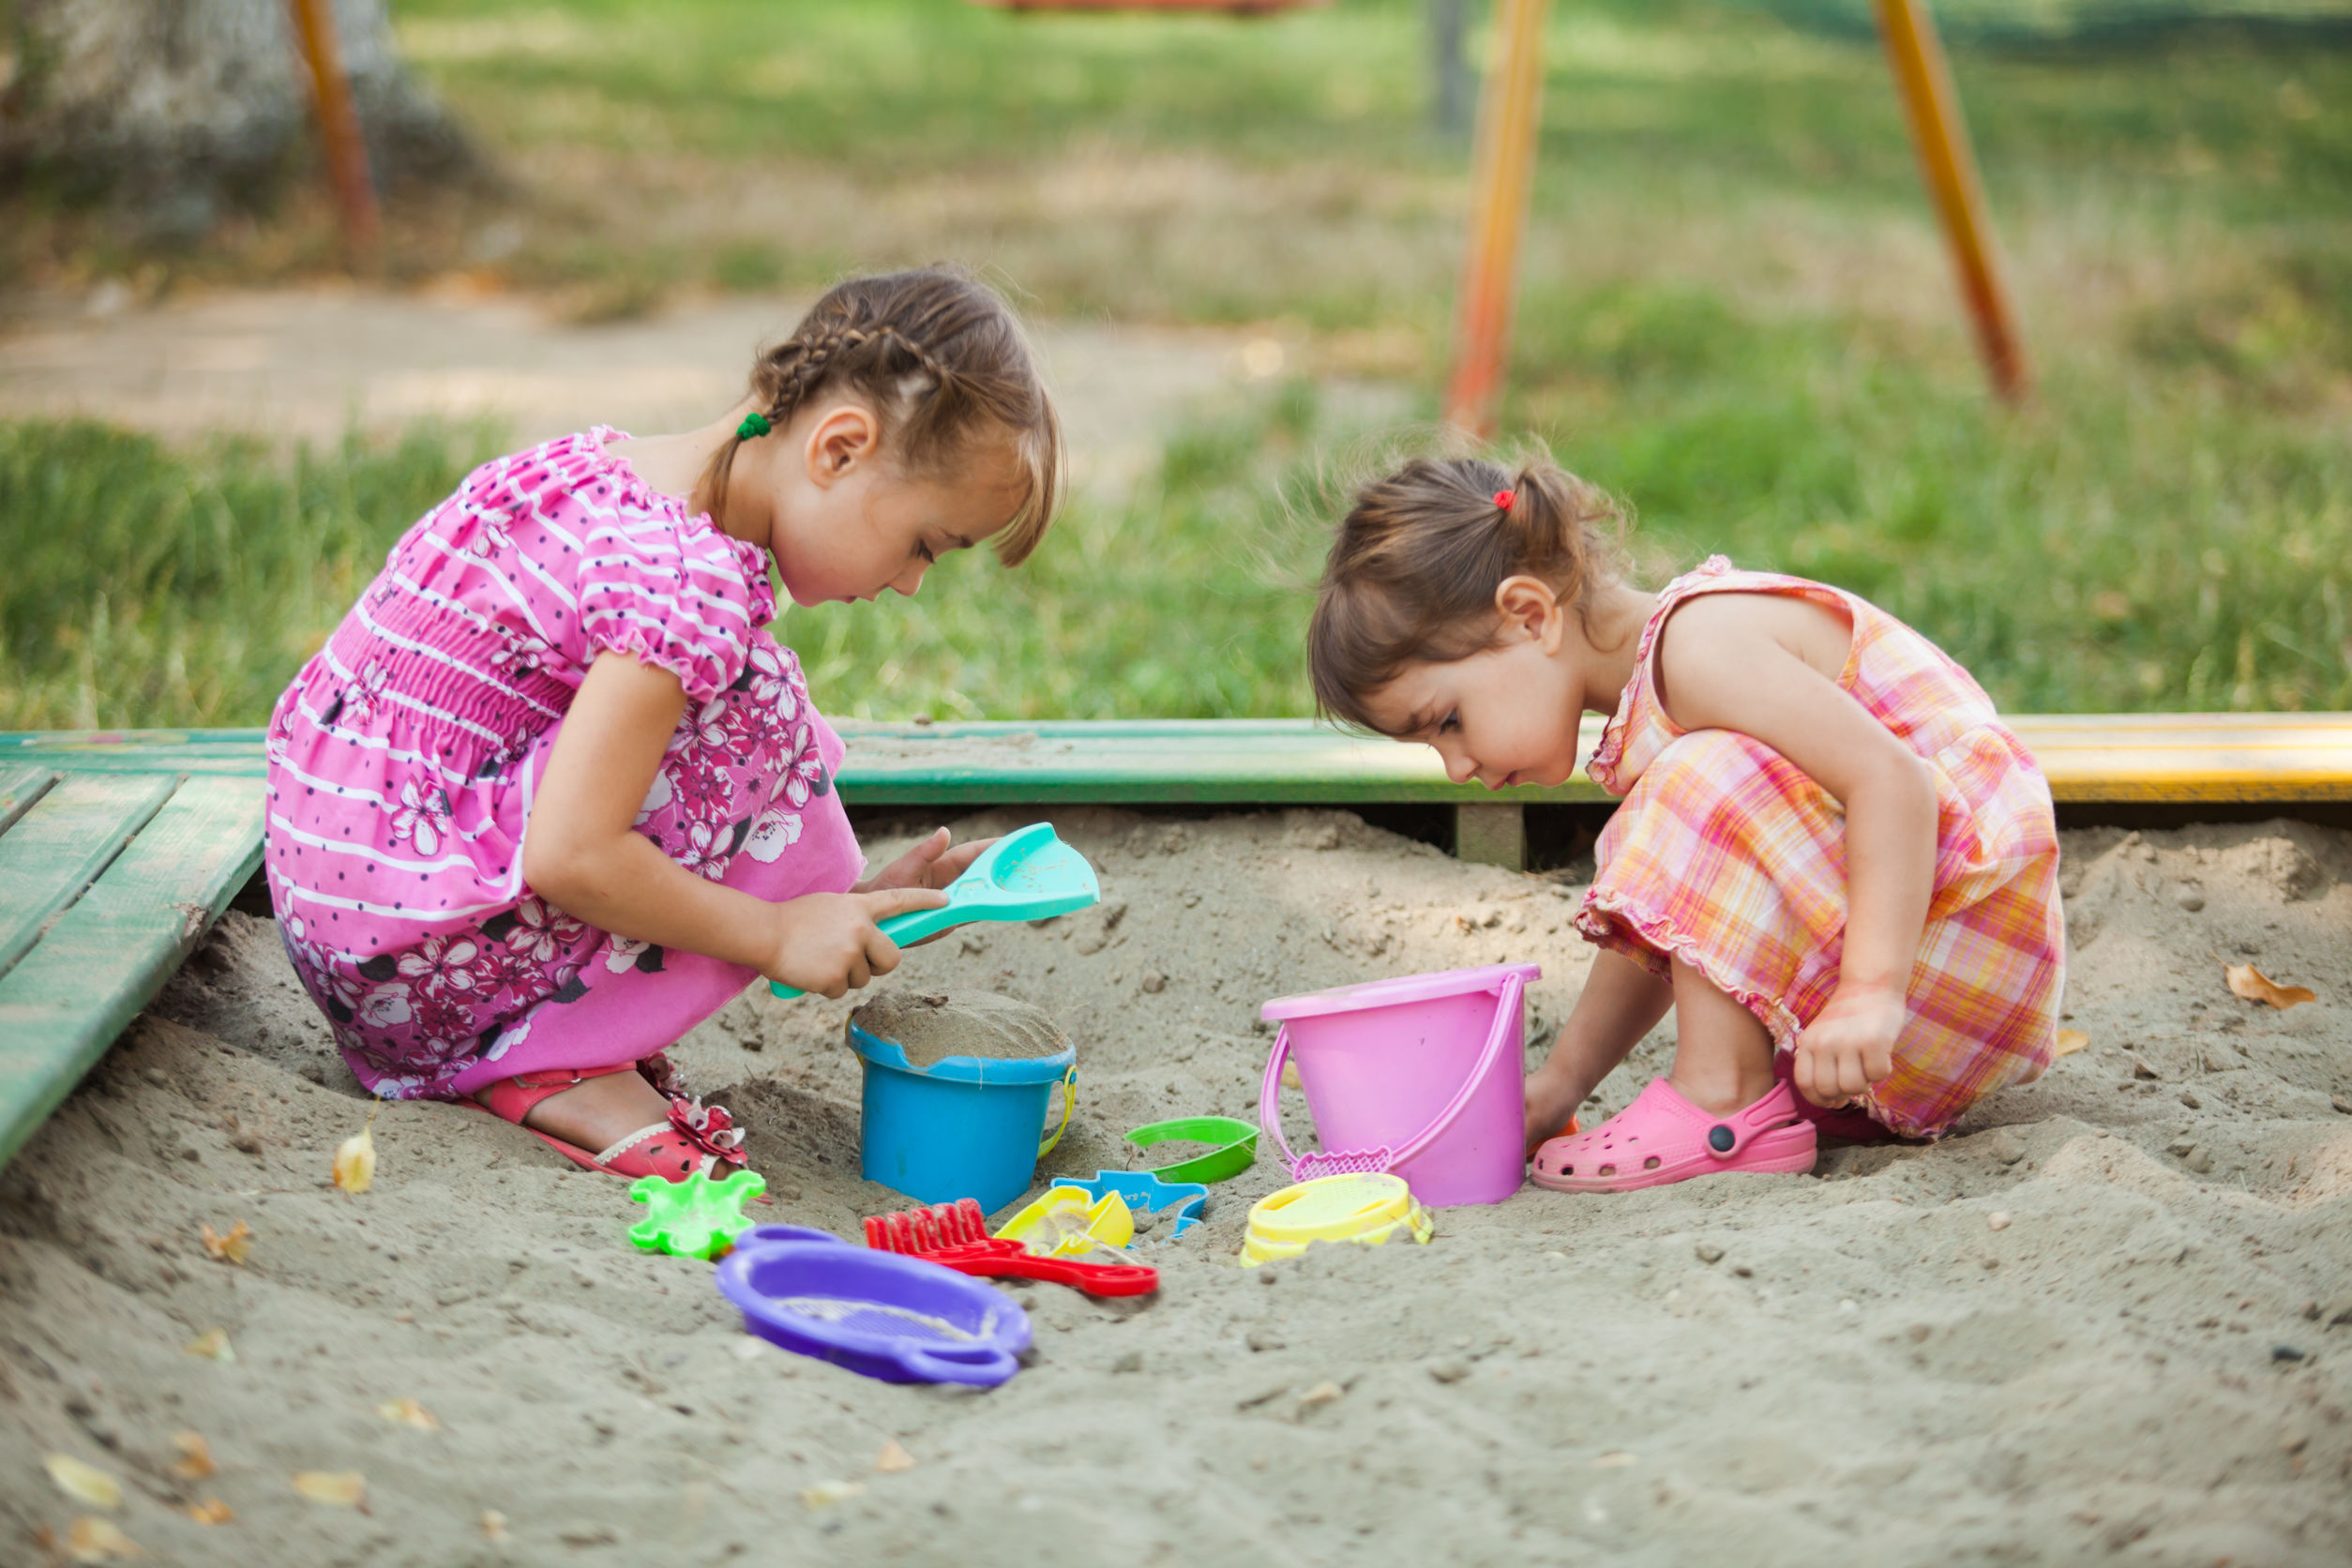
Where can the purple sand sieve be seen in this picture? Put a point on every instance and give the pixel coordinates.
(878, 1314)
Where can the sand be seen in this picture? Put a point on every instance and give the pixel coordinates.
(2110, 1320)
(931, 1026)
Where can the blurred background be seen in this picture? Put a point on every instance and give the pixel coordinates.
(1238, 241)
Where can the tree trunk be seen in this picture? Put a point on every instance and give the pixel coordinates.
(179, 108)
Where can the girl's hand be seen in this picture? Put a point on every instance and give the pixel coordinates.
(1849, 1046)
(829, 943)
(929, 864)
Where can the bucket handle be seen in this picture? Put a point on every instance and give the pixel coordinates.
(1270, 1098)
(1070, 1103)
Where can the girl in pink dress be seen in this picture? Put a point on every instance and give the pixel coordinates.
(1834, 862)
(551, 794)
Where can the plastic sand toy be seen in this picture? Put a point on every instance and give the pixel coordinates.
(1072, 1221)
(899, 1320)
(1417, 1074)
(955, 1236)
(1367, 1207)
(1235, 1148)
(1028, 875)
(1147, 1195)
(696, 1217)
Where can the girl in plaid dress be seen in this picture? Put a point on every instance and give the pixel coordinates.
(1833, 861)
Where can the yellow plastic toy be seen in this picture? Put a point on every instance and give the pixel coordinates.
(1356, 1207)
(1071, 1222)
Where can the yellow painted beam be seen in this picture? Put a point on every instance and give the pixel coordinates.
(2181, 759)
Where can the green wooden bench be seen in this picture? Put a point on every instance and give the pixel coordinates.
(119, 850)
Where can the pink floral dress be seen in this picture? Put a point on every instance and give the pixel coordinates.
(403, 758)
(1726, 856)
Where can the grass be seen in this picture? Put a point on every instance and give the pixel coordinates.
(1735, 314)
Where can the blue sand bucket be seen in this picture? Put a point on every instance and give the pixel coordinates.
(965, 1127)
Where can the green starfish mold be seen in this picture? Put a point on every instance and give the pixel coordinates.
(696, 1217)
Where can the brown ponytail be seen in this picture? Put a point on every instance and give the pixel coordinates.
(1412, 572)
(944, 365)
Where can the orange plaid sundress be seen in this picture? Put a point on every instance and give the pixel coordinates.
(1727, 857)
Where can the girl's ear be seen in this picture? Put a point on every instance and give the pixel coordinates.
(1529, 609)
(843, 436)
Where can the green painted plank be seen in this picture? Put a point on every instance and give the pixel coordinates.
(237, 752)
(59, 847)
(2181, 758)
(20, 786)
(109, 955)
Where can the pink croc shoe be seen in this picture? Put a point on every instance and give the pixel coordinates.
(1661, 1136)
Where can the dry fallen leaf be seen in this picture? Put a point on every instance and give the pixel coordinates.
(1321, 1394)
(2251, 983)
(893, 1459)
(493, 1525)
(86, 1485)
(335, 1488)
(1290, 1078)
(96, 1540)
(408, 1413)
(195, 1462)
(231, 1248)
(213, 1345)
(825, 1494)
(2070, 1041)
(355, 1159)
(212, 1511)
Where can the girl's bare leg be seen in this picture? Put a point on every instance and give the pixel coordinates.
(1621, 1002)
(1722, 1054)
(597, 1114)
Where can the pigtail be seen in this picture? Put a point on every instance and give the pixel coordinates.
(944, 365)
(1413, 568)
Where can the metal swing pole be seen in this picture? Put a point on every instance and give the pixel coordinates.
(1510, 114)
(1938, 131)
(339, 124)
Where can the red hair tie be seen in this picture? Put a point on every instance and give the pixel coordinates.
(1505, 498)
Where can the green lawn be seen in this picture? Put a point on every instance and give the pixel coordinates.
(1735, 313)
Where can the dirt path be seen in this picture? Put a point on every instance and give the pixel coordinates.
(307, 364)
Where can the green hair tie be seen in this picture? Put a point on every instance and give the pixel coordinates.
(754, 424)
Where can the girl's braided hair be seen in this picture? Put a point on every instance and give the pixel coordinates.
(944, 365)
(1413, 571)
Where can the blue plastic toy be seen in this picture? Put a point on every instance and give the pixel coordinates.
(1028, 875)
(965, 1127)
(1144, 1191)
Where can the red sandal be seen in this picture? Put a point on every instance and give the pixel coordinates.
(695, 1137)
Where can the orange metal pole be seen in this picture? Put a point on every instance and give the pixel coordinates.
(339, 124)
(1941, 136)
(1510, 114)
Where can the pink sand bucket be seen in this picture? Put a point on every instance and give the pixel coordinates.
(1419, 1076)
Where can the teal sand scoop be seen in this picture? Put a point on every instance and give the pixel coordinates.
(1028, 875)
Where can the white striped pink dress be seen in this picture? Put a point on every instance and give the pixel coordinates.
(403, 758)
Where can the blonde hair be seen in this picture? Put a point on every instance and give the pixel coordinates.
(1413, 568)
(943, 364)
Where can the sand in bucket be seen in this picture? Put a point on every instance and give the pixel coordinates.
(931, 1027)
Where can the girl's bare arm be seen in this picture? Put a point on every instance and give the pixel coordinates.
(582, 851)
(1620, 1002)
(1766, 665)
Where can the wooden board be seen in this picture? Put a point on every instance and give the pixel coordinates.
(58, 846)
(2141, 758)
(111, 950)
